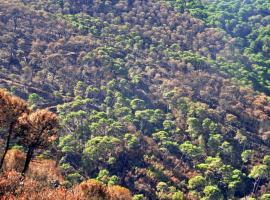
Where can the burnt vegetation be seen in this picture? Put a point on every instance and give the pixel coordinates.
(166, 98)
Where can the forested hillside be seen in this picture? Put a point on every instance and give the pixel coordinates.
(248, 23)
(167, 98)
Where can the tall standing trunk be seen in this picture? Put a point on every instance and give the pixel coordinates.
(11, 126)
(29, 156)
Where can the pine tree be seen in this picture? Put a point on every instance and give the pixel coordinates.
(41, 129)
(11, 108)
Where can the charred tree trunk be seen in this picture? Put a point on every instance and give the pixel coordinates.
(7, 144)
(29, 156)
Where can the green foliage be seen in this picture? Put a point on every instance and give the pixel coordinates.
(100, 149)
(194, 126)
(19, 147)
(162, 187)
(79, 89)
(191, 150)
(104, 177)
(161, 136)
(65, 166)
(132, 140)
(248, 22)
(114, 180)
(209, 125)
(265, 197)
(35, 100)
(149, 118)
(247, 155)
(197, 183)
(194, 7)
(235, 180)
(212, 192)
(67, 184)
(138, 197)
(214, 143)
(169, 125)
(74, 178)
(266, 160)
(227, 148)
(217, 172)
(247, 25)
(67, 144)
(147, 91)
(178, 196)
(260, 171)
(137, 104)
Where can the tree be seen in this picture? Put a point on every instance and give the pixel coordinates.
(194, 126)
(209, 125)
(113, 180)
(178, 196)
(132, 140)
(93, 189)
(149, 119)
(80, 89)
(214, 143)
(191, 150)
(101, 150)
(162, 187)
(227, 149)
(117, 192)
(73, 178)
(197, 183)
(247, 155)
(137, 104)
(68, 144)
(162, 190)
(169, 125)
(11, 108)
(212, 192)
(104, 177)
(161, 136)
(40, 129)
(76, 123)
(259, 172)
(34, 100)
(266, 160)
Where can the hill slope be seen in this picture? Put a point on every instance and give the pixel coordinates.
(149, 97)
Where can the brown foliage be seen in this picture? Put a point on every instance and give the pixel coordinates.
(9, 183)
(11, 107)
(44, 170)
(58, 59)
(14, 160)
(15, 186)
(119, 193)
(36, 130)
(41, 128)
(93, 189)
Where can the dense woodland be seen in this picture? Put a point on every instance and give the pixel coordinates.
(135, 99)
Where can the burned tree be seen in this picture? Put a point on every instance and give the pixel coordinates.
(11, 108)
(41, 128)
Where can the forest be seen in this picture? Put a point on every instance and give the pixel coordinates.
(135, 99)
